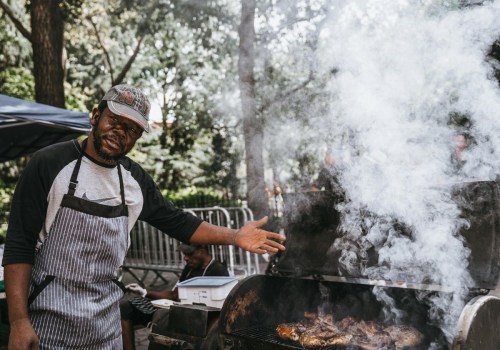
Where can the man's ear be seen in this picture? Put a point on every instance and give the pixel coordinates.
(95, 117)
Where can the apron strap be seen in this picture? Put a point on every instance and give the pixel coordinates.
(122, 191)
(74, 175)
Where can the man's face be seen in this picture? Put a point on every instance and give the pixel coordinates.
(113, 136)
(195, 260)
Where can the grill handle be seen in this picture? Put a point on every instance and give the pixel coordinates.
(170, 342)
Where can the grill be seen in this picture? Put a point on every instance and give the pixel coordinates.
(308, 277)
(267, 336)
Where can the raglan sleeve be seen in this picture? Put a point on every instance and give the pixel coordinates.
(27, 214)
(163, 215)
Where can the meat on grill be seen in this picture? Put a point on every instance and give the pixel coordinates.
(291, 331)
(404, 336)
(319, 331)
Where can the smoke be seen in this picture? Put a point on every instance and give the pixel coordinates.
(404, 69)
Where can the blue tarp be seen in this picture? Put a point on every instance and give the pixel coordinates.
(28, 126)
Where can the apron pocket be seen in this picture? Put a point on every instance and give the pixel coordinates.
(39, 288)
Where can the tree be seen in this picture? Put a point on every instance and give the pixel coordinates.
(48, 19)
(47, 44)
(252, 125)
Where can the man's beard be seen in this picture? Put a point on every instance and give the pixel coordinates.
(98, 147)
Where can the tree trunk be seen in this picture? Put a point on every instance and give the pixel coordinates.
(48, 39)
(252, 125)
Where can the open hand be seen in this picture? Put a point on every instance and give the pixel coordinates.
(256, 240)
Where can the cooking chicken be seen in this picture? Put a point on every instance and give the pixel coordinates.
(290, 331)
(404, 336)
(320, 331)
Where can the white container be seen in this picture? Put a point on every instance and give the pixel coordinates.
(208, 290)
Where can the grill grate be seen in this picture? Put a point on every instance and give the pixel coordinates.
(268, 335)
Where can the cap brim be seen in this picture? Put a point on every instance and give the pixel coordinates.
(186, 249)
(129, 113)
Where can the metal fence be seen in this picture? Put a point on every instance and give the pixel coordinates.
(153, 251)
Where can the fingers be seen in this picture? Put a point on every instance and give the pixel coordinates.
(275, 245)
(259, 251)
(268, 248)
(261, 222)
(275, 236)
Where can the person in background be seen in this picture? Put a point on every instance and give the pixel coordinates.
(139, 310)
(68, 233)
(462, 141)
(277, 201)
(275, 204)
(328, 177)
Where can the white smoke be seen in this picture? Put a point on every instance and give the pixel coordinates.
(405, 66)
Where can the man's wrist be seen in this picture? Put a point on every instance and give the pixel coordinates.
(21, 321)
(233, 236)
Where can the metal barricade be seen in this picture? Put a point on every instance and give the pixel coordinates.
(246, 261)
(152, 250)
(218, 216)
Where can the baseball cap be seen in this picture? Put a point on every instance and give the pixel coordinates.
(190, 248)
(129, 102)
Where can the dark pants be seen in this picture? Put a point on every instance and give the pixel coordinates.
(138, 310)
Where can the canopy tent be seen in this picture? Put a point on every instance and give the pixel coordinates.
(28, 126)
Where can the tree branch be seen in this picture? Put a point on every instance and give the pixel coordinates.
(286, 94)
(127, 65)
(17, 23)
(106, 53)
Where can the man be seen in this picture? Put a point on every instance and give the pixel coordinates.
(71, 215)
(463, 141)
(328, 177)
(140, 310)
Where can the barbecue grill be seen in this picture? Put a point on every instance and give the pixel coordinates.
(308, 277)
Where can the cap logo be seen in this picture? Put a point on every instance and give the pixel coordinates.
(126, 97)
(146, 109)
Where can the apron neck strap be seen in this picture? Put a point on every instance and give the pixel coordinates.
(74, 175)
(122, 191)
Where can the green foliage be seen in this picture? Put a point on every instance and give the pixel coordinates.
(75, 99)
(195, 197)
(220, 168)
(17, 82)
(11, 171)
(5, 200)
(15, 50)
(187, 62)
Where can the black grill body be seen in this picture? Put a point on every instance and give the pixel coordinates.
(258, 304)
(184, 327)
(307, 277)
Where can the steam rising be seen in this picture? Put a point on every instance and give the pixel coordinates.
(404, 67)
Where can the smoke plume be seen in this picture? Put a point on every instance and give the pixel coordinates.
(405, 71)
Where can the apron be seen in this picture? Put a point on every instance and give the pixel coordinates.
(74, 292)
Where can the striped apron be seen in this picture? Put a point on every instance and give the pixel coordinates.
(74, 292)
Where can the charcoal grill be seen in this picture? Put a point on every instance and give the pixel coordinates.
(307, 278)
(185, 327)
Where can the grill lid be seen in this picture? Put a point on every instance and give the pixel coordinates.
(311, 227)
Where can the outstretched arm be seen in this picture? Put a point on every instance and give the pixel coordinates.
(249, 237)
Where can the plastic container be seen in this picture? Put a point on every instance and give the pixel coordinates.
(209, 290)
